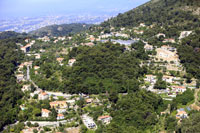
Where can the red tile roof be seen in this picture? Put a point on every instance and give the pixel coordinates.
(60, 115)
(103, 117)
(46, 110)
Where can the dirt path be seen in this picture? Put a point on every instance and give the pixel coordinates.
(196, 100)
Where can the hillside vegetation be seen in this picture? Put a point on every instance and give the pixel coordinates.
(170, 17)
(98, 69)
(11, 34)
(183, 14)
(10, 92)
(60, 30)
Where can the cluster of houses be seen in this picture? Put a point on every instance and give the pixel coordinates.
(44, 39)
(60, 106)
(20, 75)
(59, 39)
(175, 88)
(45, 113)
(28, 46)
(167, 53)
(113, 34)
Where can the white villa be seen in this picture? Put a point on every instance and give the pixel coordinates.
(150, 78)
(26, 88)
(71, 62)
(105, 119)
(179, 89)
(43, 96)
(45, 112)
(60, 117)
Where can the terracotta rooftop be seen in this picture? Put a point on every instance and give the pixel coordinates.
(103, 117)
(46, 110)
(60, 115)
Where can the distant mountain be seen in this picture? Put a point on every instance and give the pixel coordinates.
(60, 30)
(11, 34)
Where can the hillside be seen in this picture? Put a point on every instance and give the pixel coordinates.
(11, 34)
(138, 72)
(60, 30)
(170, 17)
(10, 91)
(183, 14)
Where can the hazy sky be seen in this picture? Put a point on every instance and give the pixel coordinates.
(23, 8)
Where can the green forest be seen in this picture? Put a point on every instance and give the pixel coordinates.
(10, 92)
(96, 70)
(112, 71)
(136, 112)
(60, 30)
(166, 13)
(189, 53)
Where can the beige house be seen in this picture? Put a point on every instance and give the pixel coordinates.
(168, 79)
(60, 60)
(148, 47)
(36, 67)
(170, 40)
(37, 56)
(58, 104)
(20, 77)
(90, 44)
(167, 55)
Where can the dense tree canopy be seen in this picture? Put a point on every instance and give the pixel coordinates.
(190, 125)
(166, 13)
(102, 67)
(135, 112)
(60, 30)
(96, 70)
(189, 53)
(9, 90)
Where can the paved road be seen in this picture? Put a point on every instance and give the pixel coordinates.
(59, 94)
(49, 123)
(28, 73)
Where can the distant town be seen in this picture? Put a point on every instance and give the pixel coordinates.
(27, 24)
